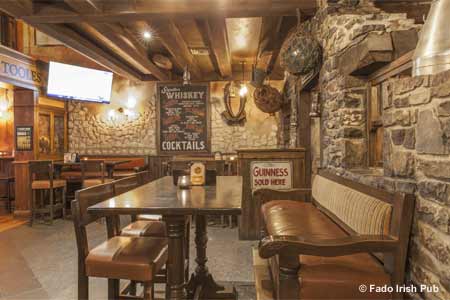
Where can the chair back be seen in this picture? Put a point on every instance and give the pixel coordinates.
(143, 177)
(81, 218)
(41, 170)
(126, 184)
(93, 168)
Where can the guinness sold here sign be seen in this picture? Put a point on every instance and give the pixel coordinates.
(275, 175)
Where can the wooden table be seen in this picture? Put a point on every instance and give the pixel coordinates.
(109, 165)
(162, 197)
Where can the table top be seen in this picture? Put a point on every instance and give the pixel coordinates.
(163, 197)
(107, 162)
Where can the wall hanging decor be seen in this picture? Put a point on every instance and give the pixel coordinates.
(258, 77)
(268, 99)
(184, 119)
(230, 116)
(301, 53)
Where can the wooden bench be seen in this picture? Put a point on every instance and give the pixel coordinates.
(349, 234)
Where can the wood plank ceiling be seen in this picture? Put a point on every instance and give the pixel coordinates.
(216, 39)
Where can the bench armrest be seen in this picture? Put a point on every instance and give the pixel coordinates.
(263, 196)
(296, 245)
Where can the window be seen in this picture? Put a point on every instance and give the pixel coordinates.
(375, 125)
(8, 31)
(377, 89)
(52, 129)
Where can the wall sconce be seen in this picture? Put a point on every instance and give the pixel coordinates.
(112, 114)
(4, 106)
(131, 102)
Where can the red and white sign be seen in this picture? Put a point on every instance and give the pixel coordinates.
(271, 175)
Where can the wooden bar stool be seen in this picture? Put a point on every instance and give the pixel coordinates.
(42, 181)
(7, 181)
(137, 259)
(93, 172)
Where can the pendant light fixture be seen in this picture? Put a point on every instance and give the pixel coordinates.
(186, 76)
(244, 90)
(432, 54)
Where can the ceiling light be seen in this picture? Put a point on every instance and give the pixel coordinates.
(147, 35)
(243, 91)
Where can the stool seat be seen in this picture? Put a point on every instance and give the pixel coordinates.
(145, 228)
(45, 184)
(93, 182)
(132, 258)
(149, 217)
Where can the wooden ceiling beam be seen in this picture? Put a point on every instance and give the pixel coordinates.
(269, 43)
(128, 11)
(173, 41)
(214, 33)
(129, 47)
(16, 8)
(415, 9)
(85, 6)
(77, 42)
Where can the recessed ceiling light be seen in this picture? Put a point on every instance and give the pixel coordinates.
(147, 35)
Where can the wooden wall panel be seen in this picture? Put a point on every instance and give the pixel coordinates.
(249, 225)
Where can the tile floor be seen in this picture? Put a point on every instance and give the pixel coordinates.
(40, 262)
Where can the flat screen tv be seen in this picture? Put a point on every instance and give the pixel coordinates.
(78, 83)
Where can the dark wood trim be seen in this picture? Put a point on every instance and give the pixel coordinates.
(394, 68)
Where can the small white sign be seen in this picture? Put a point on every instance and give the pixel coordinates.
(275, 175)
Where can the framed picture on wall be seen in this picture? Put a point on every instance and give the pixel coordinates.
(24, 138)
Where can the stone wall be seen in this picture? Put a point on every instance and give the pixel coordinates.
(416, 159)
(91, 130)
(416, 121)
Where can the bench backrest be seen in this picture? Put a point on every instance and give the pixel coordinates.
(363, 213)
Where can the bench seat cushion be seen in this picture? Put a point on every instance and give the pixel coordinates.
(340, 277)
(343, 274)
(285, 217)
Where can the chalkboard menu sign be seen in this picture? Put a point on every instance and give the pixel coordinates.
(24, 138)
(183, 122)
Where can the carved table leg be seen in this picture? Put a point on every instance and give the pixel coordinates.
(175, 264)
(202, 284)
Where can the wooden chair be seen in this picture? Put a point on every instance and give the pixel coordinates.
(125, 184)
(137, 259)
(7, 179)
(147, 225)
(93, 172)
(42, 181)
(143, 177)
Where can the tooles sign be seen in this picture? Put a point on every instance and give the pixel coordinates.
(19, 69)
(20, 72)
